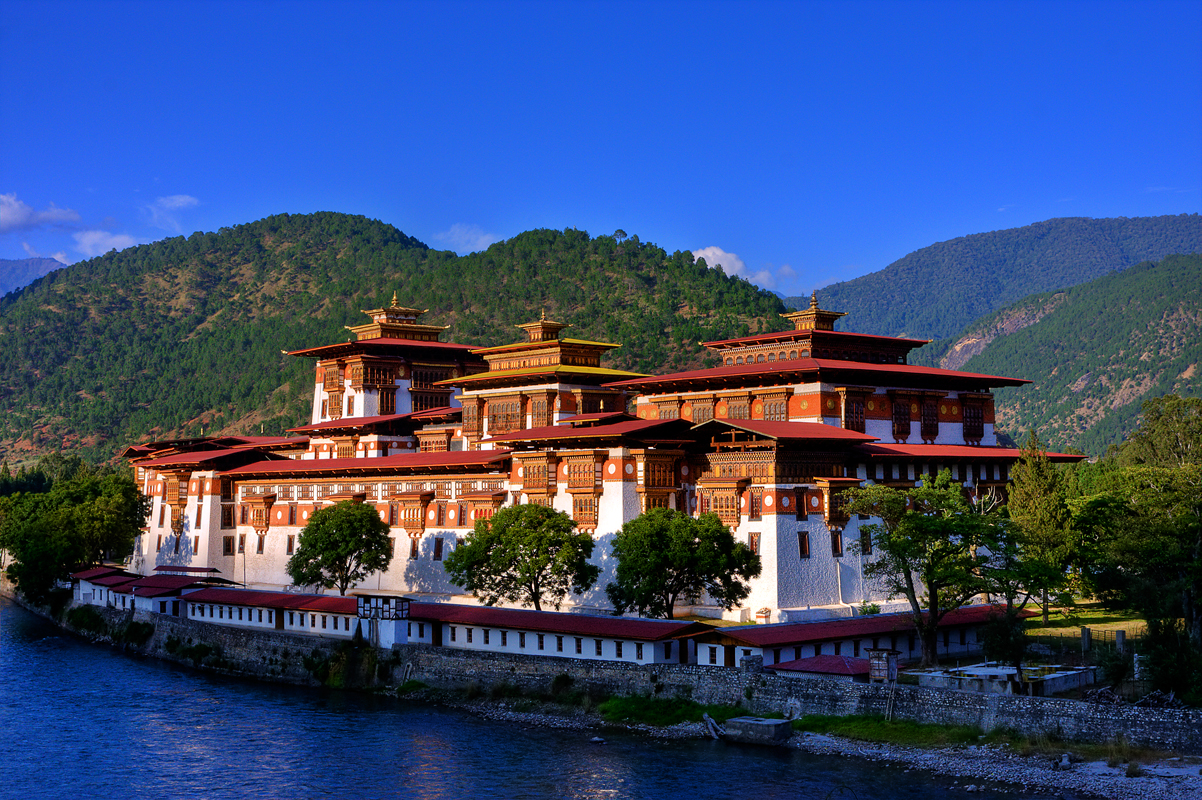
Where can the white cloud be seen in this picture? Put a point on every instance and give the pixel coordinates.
(161, 211)
(17, 215)
(464, 238)
(60, 256)
(731, 263)
(786, 273)
(97, 243)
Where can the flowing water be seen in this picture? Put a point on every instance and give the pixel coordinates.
(86, 721)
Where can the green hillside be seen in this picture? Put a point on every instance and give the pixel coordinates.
(1095, 352)
(162, 339)
(935, 292)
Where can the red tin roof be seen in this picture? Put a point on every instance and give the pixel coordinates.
(330, 604)
(772, 373)
(397, 463)
(630, 427)
(96, 572)
(650, 630)
(792, 633)
(183, 568)
(795, 431)
(825, 665)
(792, 335)
(953, 452)
(380, 344)
(351, 422)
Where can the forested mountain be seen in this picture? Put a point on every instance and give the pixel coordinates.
(162, 339)
(18, 272)
(1095, 352)
(934, 292)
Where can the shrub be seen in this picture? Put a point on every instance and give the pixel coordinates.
(561, 684)
(1134, 770)
(137, 633)
(87, 620)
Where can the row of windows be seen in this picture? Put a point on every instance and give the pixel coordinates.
(769, 357)
(540, 641)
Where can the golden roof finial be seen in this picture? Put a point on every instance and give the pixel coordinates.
(394, 302)
(814, 299)
(544, 314)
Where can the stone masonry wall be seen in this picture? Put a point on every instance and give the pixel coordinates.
(310, 660)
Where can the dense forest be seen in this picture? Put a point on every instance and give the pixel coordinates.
(168, 338)
(1095, 352)
(935, 292)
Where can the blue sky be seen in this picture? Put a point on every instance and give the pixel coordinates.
(805, 142)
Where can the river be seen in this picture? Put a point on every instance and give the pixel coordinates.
(86, 721)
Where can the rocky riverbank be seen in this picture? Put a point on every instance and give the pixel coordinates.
(968, 768)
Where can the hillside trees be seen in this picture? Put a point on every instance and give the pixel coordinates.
(527, 554)
(340, 546)
(664, 555)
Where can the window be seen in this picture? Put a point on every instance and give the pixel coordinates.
(412, 547)
(242, 543)
(617, 649)
(837, 543)
(452, 633)
(291, 515)
(540, 641)
(638, 651)
(853, 413)
(803, 544)
(162, 606)
(291, 618)
(598, 641)
(838, 648)
(901, 420)
(753, 541)
(504, 638)
(469, 635)
(261, 615)
(239, 614)
(930, 421)
(522, 640)
(270, 617)
(290, 548)
(261, 543)
(579, 646)
(865, 543)
(558, 644)
(195, 545)
(974, 423)
(162, 513)
(220, 612)
(667, 650)
(486, 635)
(323, 622)
(796, 653)
(963, 636)
(160, 544)
(438, 549)
(713, 655)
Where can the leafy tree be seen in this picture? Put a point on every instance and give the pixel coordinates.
(527, 554)
(664, 555)
(1039, 505)
(341, 545)
(1169, 435)
(928, 547)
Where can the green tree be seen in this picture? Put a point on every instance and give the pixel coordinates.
(341, 545)
(77, 523)
(664, 555)
(527, 554)
(928, 547)
(1169, 434)
(1039, 505)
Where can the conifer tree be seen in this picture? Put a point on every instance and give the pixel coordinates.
(1039, 504)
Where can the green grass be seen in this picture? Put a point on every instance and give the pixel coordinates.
(1089, 615)
(664, 711)
(900, 732)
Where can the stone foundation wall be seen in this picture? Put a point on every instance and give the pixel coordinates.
(310, 660)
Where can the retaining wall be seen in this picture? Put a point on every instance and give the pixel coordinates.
(311, 660)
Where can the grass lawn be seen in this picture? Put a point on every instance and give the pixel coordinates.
(1089, 615)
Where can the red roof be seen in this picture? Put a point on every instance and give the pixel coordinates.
(825, 665)
(809, 431)
(330, 604)
(650, 630)
(378, 344)
(183, 568)
(953, 452)
(96, 572)
(114, 581)
(793, 633)
(398, 463)
(560, 432)
(207, 457)
(351, 422)
(786, 336)
(581, 418)
(775, 372)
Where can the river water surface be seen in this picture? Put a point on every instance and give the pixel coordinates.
(86, 721)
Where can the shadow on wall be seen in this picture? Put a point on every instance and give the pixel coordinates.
(424, 574)
(595, 598)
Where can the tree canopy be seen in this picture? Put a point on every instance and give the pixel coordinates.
(928, 547)
(75, 523)
(664, 555)
(527, 554)
(340, 546)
